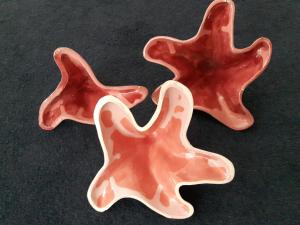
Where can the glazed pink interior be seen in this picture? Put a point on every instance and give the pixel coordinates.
(209, 65)
(77, 94)
(149, 164)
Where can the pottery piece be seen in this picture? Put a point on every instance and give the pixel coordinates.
(211, 67)
(78, 92)
(150, 163)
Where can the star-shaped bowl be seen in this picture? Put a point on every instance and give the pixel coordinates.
(78, 92)
(211, 67)
(150, 163)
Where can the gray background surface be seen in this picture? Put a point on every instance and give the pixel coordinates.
(45, 175)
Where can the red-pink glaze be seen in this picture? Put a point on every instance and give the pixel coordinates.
(78, 92)
(150, 163)
(211, 67)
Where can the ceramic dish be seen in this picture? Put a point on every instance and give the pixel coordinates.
(150, 163)
(78, 92)
(211, 67)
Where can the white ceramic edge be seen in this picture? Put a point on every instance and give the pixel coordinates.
(110, 99)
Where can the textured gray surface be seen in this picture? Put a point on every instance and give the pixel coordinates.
(45, 175)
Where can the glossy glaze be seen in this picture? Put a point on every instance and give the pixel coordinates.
(150, 163)
(78, 92)
(211, 67)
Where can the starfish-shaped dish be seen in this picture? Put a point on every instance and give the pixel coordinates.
(150, 163)
(211, 67)
(78, 92)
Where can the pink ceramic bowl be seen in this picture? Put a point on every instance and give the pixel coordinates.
(211, 67)
(78, 92)
(150, 163)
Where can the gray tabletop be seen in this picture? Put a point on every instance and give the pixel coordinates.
(45, 175)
